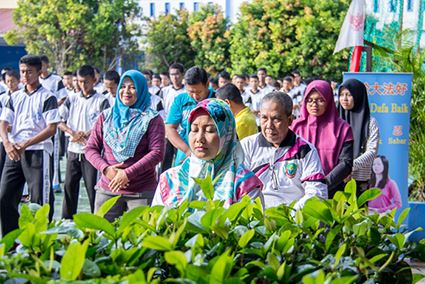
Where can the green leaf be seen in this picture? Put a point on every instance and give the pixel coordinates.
(27, 235)
(378, 257)
(398, 240)
(137, 277)
(331, 236)
(90, 269)
(417, 277)
(402, 216)
(73, 260)
(9, 239)
(339, 254)
(178, 259)
(157, 243)
(344, 280)
(281, 271)
(368, 195)
(86, 220)
(107, 206)
(25, 216)
(318, 209)
(221, 268)
(246, 237)
(206, 186)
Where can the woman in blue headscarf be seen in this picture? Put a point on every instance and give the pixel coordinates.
(126, 145)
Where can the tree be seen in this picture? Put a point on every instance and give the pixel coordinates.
(283, 35)
(73, 32)
(210, 38)
(167, 41)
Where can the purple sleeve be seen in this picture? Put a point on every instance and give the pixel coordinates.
(395, 194)
(156, 149)
(94, 146)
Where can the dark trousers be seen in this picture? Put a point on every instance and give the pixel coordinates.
(170, 151)
(34, 168)
(2, 158)
(76, 167)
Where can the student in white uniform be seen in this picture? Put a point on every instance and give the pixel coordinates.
(53, 83)
(83, 109)
(168, 94)
(33, 115)
(111, 80)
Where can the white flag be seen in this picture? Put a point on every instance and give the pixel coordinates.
(352, 30)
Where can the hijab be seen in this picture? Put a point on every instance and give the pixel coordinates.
(231, 179)
(327, 132)
(125, 126)
(359, 116)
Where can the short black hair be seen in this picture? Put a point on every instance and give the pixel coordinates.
(12, 73)
(295, 72)
(262, 69)
(196, 75)
(112, 75)
(148, 73)
(253, 77)
(44, 58)
(31, 60)
(224, 74)
(165, 73)
(288, 79)
(237, 76)
(3, 72)
(213, 80)
(229, 92)
(177, 66)
(85, 71)
(156, 76)
(68, 73)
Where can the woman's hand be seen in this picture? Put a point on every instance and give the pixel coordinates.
(120, 181)
(111, 171)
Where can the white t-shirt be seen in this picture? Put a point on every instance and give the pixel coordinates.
(158, 105)
(168, 95)
(29, 114)
(81, 113)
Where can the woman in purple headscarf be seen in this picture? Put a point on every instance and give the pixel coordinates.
(320, 124)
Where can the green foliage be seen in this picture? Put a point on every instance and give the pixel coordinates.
(283, 35)
(209, 38)
(328, 241)
(167, 41)
(73, 32)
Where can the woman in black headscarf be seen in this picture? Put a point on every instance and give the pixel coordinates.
(354, 108)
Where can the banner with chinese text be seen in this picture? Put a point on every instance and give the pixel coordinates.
(389, 100)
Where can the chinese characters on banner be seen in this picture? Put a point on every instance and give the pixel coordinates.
(389, 101)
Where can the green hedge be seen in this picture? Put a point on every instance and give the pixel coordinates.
(332, 241)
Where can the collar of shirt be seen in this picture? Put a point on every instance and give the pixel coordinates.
(50, 74)
(89, 96)
(33, 92)
(288, 141)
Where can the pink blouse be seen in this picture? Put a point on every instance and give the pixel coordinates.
(388, 200)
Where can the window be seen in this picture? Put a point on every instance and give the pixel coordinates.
(167, 8)
(375, 6)
(195, 6)
(152, 9)
(181, 5)
(393, 5)
(409, 6)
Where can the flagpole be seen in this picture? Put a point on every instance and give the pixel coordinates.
(355, 58)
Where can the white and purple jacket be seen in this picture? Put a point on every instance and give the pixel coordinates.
(292, 172)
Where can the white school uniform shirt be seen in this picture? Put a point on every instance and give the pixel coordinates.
(81, 113)
(29, 114)
(158, 105)
(168, 95)
(51, 82)
(99, 88)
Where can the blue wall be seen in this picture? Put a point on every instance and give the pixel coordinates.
(10, 55)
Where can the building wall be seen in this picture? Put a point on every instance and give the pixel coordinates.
(8, 4)
(155, 8)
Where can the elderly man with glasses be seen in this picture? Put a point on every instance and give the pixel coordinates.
(288, 165)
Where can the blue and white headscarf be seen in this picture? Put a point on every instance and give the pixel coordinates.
(125, 126)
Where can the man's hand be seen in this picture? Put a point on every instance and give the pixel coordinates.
(347, 179)
(120, 181)
(21, 146)
(78, 137)
(11, 151)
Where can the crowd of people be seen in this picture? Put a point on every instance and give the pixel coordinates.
(148, 137)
